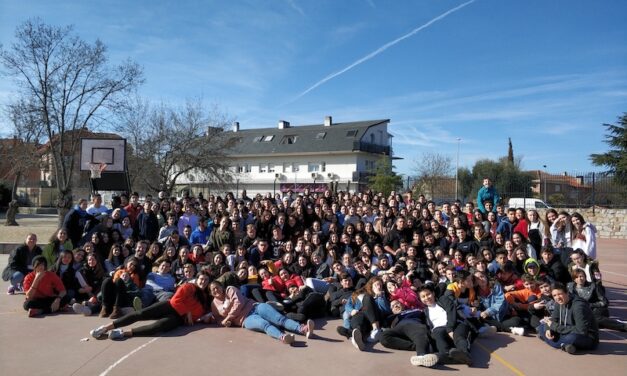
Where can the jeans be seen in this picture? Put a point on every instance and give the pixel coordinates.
(16, 279)
(318, 285)
(580, 341)
(264, 318)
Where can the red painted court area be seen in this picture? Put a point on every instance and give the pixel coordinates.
(53, 345)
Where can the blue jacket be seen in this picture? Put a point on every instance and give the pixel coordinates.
(495, 303)
(487, 194)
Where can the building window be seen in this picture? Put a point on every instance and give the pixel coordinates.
(268, 138)
(286, 167)
(351, 133)
(288, 140)
(248, 167)
(295, 167)
(369, 165)
(258, 139)
(263, 168)
(320, 136)
(240, 169)
(270, 167)
(323, 166)
(313, 167)
(558, 187)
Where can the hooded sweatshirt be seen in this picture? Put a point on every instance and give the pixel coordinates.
(575, 317)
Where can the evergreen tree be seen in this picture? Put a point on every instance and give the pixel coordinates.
(616, 158)
(384, 179)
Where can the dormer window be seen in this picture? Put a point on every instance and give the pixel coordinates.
(289, 139)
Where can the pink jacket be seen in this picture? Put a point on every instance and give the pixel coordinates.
(235, 307)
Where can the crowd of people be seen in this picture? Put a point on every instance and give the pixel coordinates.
(398, 270)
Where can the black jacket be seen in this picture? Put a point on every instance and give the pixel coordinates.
(447, 302)
(18, 261)
(575, 317)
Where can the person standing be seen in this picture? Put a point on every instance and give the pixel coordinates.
(487, 193)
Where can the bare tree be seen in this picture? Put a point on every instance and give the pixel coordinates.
(21, 153)
(431, 170)
(73, 86)
(169, 142)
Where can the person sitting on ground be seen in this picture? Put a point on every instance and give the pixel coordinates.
(159, 287)
(494, 309)
(409, 332)
(230, 308)
(118, 291)
(363, 315)
(190, 304)
(595, 296)
(44, 290)
(572, 325)
(448, 334)
(21, 263)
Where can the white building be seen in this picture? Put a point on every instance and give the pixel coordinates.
(310, 156)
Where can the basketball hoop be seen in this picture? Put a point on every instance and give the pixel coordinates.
(96, 169)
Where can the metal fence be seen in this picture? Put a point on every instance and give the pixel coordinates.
(575, 190)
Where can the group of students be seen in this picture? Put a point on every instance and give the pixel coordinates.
(395, 270)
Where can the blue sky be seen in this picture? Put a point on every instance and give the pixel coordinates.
(545, 73)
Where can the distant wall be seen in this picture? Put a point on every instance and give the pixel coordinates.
(610, 223)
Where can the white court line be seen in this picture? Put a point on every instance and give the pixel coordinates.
(126, 356)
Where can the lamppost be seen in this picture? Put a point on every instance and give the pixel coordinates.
(457, 171)
(544, 185)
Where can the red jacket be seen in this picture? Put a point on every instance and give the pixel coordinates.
(50, 285)
(184, 300)
(279, 285)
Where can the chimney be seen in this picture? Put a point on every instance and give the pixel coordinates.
(236, 126)
(328, 120)
(284, 124)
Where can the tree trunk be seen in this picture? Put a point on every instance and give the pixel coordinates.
(12, 213)
(64, 204)
(13, 205)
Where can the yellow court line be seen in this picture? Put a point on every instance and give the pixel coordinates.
(503, 361)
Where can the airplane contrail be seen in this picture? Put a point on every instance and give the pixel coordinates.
(382, 48)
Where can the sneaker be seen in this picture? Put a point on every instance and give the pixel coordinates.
(98, 332)
(343, 331)
(288, 338)
(374, 336)
(571, 349)
(81, 309)
(427, 360)
(487, 331)
(516, 330)
(137, 304)
(308, 328)
(460, 357)
(11, 290)
(116, 334)
(32, 312)
(357, 340)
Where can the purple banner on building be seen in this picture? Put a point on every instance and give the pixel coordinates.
(300, 187)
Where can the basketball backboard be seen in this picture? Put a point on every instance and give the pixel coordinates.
(108, 151)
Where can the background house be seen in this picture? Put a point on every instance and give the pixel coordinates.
(287, 157)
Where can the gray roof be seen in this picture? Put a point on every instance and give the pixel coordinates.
(339, 137)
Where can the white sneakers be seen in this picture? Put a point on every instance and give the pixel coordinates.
(98, 332)
(516, 330)
(427, 360)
